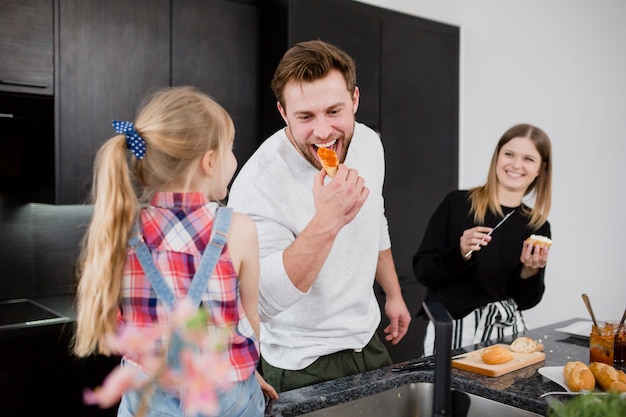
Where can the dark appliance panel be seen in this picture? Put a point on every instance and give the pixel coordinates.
(27, 148)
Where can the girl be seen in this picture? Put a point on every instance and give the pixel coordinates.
(181, 161)
(484, 280)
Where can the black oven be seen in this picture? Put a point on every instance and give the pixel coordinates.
(27, 148)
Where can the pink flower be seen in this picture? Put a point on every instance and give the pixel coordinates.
(205, 365)
(120, 380)
(135, 341)
(205, 374)
(190, 322)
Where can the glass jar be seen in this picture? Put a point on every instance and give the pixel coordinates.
(619, 349)
(601, 341)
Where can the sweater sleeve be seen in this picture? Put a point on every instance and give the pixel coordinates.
(276, 291)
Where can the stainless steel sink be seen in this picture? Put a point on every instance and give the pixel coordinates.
(414, 400)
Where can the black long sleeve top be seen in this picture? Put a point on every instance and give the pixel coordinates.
(491, 274)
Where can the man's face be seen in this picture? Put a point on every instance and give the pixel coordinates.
(320, 113)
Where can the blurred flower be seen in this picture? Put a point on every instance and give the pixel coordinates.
(199, 389)
(199, 372)
(120, 380)
(131, 340)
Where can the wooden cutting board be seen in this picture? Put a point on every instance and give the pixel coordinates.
(473, 362)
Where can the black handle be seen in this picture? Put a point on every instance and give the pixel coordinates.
(442, 398)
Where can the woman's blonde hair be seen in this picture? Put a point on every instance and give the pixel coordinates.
(485, 198)
(178, 125)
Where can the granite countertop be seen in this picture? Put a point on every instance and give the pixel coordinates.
(521, 388)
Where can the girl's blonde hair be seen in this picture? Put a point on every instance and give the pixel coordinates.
(179, 125)
(485, 198)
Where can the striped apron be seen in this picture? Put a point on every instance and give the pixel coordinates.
(492, 321)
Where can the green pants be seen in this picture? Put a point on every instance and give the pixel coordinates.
(336, 365)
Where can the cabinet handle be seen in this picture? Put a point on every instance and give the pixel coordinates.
(21, 84)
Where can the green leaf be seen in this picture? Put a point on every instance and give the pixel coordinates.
(199, 320)
(590, 405)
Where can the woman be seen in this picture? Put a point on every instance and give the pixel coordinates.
(484, 280)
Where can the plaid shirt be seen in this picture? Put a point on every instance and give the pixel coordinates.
(176, 229)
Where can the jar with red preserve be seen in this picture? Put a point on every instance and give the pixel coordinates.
(601, 340)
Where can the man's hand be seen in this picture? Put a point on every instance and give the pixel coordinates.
(399, 319)
(339, 201)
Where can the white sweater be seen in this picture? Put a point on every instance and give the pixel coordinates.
(340, 311)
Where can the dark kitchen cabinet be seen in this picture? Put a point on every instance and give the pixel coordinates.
(215, 47)
(26, 46)
(111, 52)
(420, 123)
(40, 376)
(408, 75)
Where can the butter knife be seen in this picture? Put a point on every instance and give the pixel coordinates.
(467, 255)
(411, 366)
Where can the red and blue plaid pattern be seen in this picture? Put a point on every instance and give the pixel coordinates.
(176, 228)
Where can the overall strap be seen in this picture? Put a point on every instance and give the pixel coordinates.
(211, 254)
(209, 259)
(149, 268)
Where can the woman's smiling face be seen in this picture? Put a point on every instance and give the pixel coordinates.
(519, 163)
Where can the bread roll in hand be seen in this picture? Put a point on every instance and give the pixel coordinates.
(578, 377)
(495, 355)
(538, 240)
(609, 378)
(329, 160)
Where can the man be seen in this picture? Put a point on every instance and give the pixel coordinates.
(322, 241)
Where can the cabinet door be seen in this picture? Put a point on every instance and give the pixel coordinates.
(215, 48)
(111, 53)
(419, 114)
(26, 46)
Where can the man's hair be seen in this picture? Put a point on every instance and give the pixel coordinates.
(310, 61)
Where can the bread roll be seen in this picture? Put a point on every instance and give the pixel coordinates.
(609, 378)
(495, 355)
(329, 160)
(578, 377)
(538, 240)
(524, 344)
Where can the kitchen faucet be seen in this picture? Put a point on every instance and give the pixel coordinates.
(446, 402)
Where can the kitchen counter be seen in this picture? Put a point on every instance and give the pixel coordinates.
(521, 388)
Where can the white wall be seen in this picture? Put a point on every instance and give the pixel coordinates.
(559, 64)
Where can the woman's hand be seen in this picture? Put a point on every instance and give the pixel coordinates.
(533, 258)
(474, 239)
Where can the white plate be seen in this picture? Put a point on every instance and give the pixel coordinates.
(577, 329)
(555, 374)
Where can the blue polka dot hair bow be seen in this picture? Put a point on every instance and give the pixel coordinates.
(135, 143)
